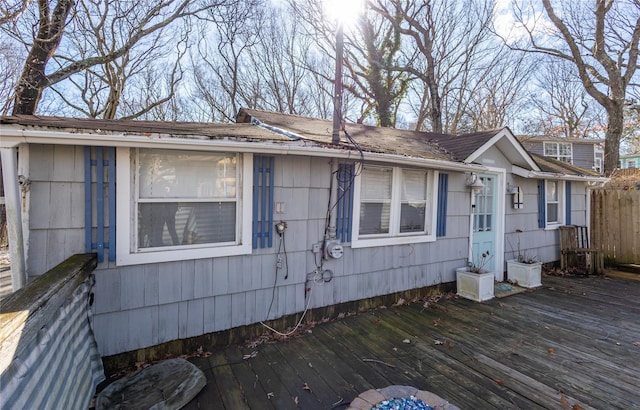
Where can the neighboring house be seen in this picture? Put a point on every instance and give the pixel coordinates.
(630, 161)
(225, 225)
(584, 152)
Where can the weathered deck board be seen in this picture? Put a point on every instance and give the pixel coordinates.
(570, 342)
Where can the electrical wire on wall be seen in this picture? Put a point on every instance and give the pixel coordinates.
(281, 228)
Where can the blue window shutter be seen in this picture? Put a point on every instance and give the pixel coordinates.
(542, 205)
(567, 198)
(443, 190)
(344, 207)
(263, 179)
(103, 157)
(88, 205)
(112, 203)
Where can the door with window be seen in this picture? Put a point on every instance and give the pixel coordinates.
(485, 224)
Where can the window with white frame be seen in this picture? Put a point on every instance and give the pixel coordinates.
(554, 199)
(598, 157)
(597, 164)
(394, 205)
(631, 163)
(562, 151)
(183, 204)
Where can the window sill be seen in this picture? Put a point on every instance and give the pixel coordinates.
(553, 227)
(126, 258)
(397, 240)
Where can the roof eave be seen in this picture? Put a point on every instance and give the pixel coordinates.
(525, 173)
(13, 137)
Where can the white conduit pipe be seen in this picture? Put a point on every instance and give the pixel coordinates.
(14, 217)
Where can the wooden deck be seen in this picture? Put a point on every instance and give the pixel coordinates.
(575, 341)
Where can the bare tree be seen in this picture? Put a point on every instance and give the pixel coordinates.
(565, 109)
(222, 71)
(601, 41)
(463, 80)
(279, 59)
(372, 49)
(119, 87)
(376, 79)
(11, 10)
(50, 21)
(10, 60)
(496, 97)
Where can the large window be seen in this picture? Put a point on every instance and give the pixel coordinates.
(562, 151)
(183, 204)
(395, 205)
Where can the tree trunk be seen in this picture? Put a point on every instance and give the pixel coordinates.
(33, 79)
(615, 126)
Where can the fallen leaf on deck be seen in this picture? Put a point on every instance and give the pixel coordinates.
(637, 344)
(438, 342)
(499, 381)
(407, 341)
(295, 400)
(577, 407)
(550, 350)
(306, 387)
(270, 395)
(564, 403)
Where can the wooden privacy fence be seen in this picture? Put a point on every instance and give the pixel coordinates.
(615, 225)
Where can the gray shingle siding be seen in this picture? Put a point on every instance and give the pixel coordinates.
(583, 155)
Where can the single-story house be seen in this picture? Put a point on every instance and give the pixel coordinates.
(201, 228)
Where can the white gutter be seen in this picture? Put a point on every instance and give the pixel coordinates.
(12, 137)
(525, 173)
(14, 217)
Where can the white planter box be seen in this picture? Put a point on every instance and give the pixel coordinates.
(474, 286)
(527, 275)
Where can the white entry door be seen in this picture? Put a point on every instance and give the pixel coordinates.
(485, 223)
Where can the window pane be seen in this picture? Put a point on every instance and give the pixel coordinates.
(412, 217)
(376, 184)
(374, 218)
(174, 224)
(552, 213)
(414, 186)
(565, 149)
(552, 191)
(551, 149)
(174, 174)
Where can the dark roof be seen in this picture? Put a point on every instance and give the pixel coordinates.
(369, 138)
(198, 130)
(464, 145)
(552, 165)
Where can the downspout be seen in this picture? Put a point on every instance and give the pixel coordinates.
(9, 158)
